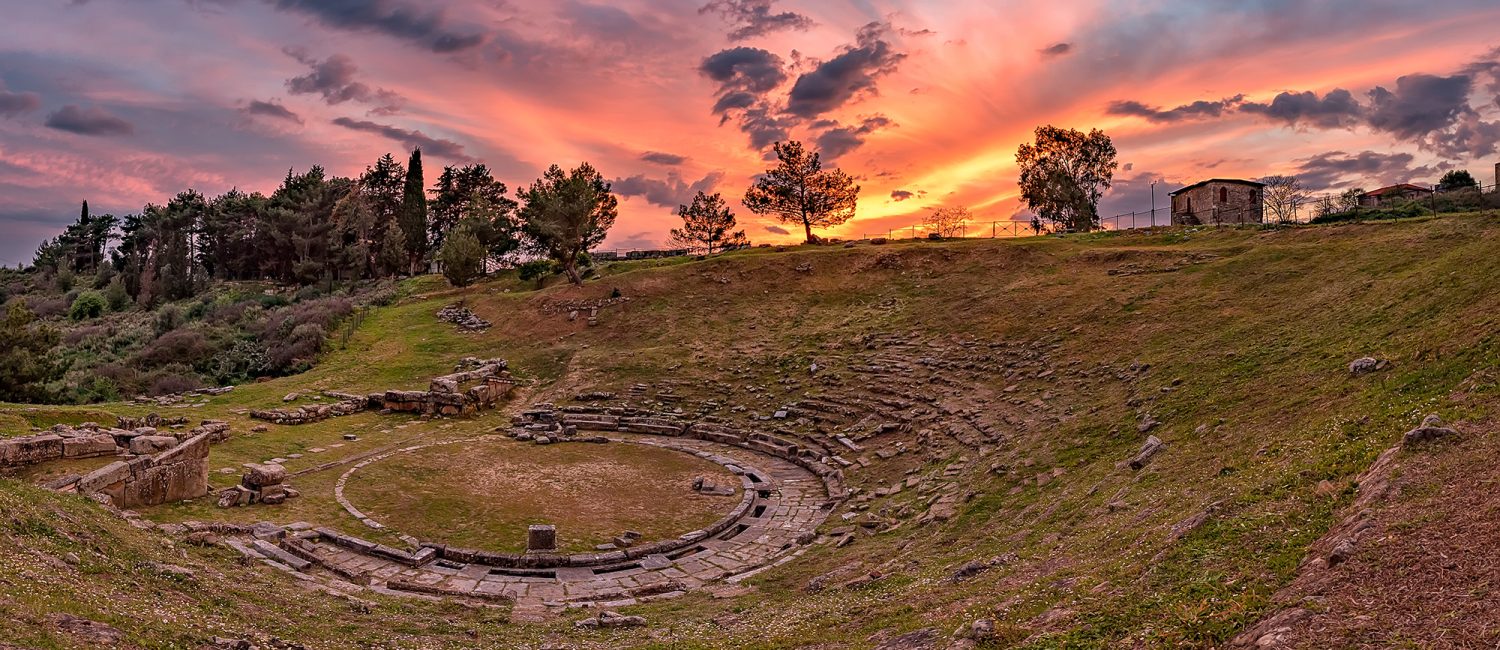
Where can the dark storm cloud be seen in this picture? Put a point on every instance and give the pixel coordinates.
(746, 77)
(1196, 110)
(424, 27)
(88, 121)
(836, 81)
(334, 79)
(16, 103)
(411, 139)
(837, 140)
(746, 69)
(1338, 169)
(751, 18)
(272, 110)
(1057, 50)
(901, 195)
(668, 193)
(778, 230)
(1431, 111)
(663, 158)
(1337, 109)
(1420, 104)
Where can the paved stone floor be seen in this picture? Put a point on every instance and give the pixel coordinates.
(779, 520)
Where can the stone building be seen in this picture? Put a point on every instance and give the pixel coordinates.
(1219, 200)
(1393, 194)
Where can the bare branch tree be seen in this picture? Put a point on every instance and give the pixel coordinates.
(947, 221)
(1285, 196)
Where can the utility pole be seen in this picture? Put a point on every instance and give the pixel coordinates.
(1153, 203)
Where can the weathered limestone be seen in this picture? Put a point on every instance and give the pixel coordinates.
(261, 483)
(1152, 447)
(446, 396)
(172, 475)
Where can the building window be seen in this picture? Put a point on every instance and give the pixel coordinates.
(1223, 195)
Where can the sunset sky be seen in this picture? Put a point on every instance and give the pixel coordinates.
(126, 102)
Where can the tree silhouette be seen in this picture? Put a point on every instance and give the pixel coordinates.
(798, 190)
(1064, 173)
(707, 225)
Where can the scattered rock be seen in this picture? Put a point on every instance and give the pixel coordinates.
(1367, 365)
(609, 619)
(92, 633)
(1432, 428)
(1153, 446)
(461, 316)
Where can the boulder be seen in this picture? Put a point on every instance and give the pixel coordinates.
(1367, 365)
(1432, 428)
(260, 475)
(1152, 447)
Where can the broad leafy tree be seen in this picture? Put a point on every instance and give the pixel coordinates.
(566, 214)
(707, 226)
(1457, 179)
(1064, 173)
(799, 191)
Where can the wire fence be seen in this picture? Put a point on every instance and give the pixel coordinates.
(1408, 200)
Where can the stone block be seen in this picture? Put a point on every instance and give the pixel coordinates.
(144, 445)
(30, 450)
(541, 538)
(258, 476)
(101, 444)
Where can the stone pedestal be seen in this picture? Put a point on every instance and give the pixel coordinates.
(541, 538)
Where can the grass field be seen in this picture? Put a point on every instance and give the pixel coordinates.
(1247, 333)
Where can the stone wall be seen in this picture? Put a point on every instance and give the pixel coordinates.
(445, 396)
(172, 475)
(546, 423)
(90, 440)
(1218, 202)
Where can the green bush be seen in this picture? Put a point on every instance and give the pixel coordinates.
(1403, 211)
(116, 295)
(89, 304)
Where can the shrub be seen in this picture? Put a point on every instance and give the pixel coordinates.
(65, 280)
(76, 336)
(1403, 211)
(173, 379)
(116, 295)
(294, 335)
(48, 306)
(88, 304)
(168, 318)
(177, 346)
(308, 292)
(462, 258)
(242, 360)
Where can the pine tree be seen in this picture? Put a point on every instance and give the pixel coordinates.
(392, 254)
(707, 226)
(27, 361)
(799, 191)
(568, 213)
(413, 218)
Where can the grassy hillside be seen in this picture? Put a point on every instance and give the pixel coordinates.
(1234, 341)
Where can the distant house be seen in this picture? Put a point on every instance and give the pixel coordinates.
(1390, 194)
(1219, 200)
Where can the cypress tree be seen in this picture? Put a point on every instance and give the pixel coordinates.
(413, 218)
